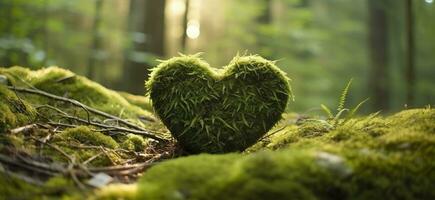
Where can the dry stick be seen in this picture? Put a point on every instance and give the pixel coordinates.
(22, 177)
(107, 155)
(273, 133)
(70, 158)
(71, 165)
(92, 158)
(113, 169)
(105, 148)
(76, 103)
(139, 130)
(31, 165)
(62, 124)
(74, 176)
(107, 127)
(23, 129)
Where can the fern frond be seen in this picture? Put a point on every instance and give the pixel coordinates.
(344, 96)
(338, 115)
(327, 111)
(356, 108)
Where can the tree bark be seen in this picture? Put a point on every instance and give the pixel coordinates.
(410, 66)
(185, 21)
(96, 40)
(378, 45)
(146, 21)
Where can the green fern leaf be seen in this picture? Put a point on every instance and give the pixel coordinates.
(355, 110)
(344, 96)
(327, 111)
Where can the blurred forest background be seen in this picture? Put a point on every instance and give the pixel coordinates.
(387, 46)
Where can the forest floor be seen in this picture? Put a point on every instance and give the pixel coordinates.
(63, 136)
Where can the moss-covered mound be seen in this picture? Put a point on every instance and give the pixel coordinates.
(13, 110)
(366, 158)
(216, 112)
(59, 130)
(143, 102)
(46, 153)
(64, 83)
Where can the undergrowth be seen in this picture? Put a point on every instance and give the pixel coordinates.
(353, 157)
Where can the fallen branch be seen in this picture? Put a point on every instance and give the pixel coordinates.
(136, 129)
(23, 129)
(76, 103)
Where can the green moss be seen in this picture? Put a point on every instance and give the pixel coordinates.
(143, 102)
(194, 176)
(85, 135)
(62, 82)
(265, 175)
(416, 119)
(115, 192)
(134, 143)
(11, 187)
(215, 112)
(365, 158)
(70, 141)
(57, 187)
(13, 110)
(60, 187)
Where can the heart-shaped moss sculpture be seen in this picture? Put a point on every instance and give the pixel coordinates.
(217, 111)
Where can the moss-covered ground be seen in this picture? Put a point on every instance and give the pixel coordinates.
(45, 153)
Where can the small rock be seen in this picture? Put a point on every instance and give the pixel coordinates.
(100, 180)
(334, 163)
(3, 80)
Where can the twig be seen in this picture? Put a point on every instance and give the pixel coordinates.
(92, 158)
(136, 129)
(273, 133)
(23, 129)
(70, 158)
(22, 177)
(109, 127)
(107, 155)
(127, 167)
(76, 103)
(62, 124)
(31, 165)
(74, 177)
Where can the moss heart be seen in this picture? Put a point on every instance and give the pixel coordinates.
(217, 111)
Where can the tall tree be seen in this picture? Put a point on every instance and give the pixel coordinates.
(96, 40)
(410, 68)
(185, 21)
(378, 47)
(147, 30)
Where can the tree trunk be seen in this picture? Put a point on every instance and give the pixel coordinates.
(410, 67)
(378, 44)
(185, 21)
(265, 17)
(146, 25)
(96, 40)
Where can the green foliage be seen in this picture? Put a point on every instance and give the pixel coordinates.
(13, 110)
(69, 139)
(360, 160)
(143, 102)
(85, 135)
(116, 192)
(134, 143)
(216, 112)
(201, 170)
(341, 109)
(343, 96)
(19, 190)
(57, 187)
